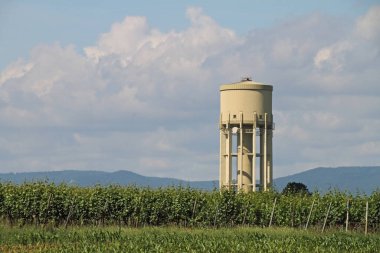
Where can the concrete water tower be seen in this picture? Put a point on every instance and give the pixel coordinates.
(246, 131)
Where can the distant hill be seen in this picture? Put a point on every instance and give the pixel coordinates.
(351, 179)
(88, 178)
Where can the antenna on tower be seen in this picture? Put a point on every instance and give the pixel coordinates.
(246, 78)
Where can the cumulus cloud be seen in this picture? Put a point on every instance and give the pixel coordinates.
(147, 101)
(15, 70)
(367, 26)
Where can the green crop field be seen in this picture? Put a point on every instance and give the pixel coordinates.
(43, 204)
(44, 217)
(174, 239)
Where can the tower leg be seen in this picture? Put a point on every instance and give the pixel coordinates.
(241, 150)
(254, 152)
(265, 163)
(270, 157)
(261, 159)
(222, 168)
(228, 158)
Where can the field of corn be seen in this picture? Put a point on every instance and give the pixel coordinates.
(44, 204)
(44, 217)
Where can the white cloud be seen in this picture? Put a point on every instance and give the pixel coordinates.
(146, 100)
(368, 26)
(322, 56)
(15, 70)
(124, 38)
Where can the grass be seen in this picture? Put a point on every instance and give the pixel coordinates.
(174, 239)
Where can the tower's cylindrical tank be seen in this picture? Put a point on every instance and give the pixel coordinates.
(246, 97)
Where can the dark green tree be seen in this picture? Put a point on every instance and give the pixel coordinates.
(293, 188)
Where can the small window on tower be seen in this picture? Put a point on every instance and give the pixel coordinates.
(261, 116)
(234, 116)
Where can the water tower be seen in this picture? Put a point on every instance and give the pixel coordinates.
(246, 131)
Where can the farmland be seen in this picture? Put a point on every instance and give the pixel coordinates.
(174, 239)
(44, 204)
(44, 216)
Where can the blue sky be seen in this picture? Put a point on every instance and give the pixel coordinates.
(134, 84)
(25, 24)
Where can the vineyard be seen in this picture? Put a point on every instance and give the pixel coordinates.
(46, 204)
